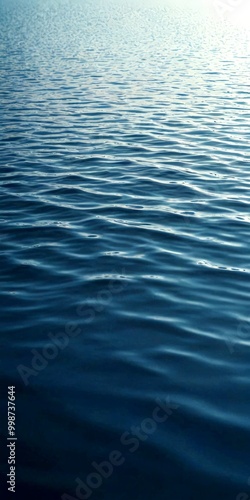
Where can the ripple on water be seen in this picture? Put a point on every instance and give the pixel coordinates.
(125, 230)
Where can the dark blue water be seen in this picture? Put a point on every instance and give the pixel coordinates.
(125, 249)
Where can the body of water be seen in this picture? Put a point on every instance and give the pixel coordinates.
(125, 249)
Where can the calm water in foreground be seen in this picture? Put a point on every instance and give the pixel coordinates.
(125, 248)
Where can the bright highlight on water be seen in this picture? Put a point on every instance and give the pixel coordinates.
(125, 181)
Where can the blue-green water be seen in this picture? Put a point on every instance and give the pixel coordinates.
(125, 248)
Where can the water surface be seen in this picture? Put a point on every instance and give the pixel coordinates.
(125, 223)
